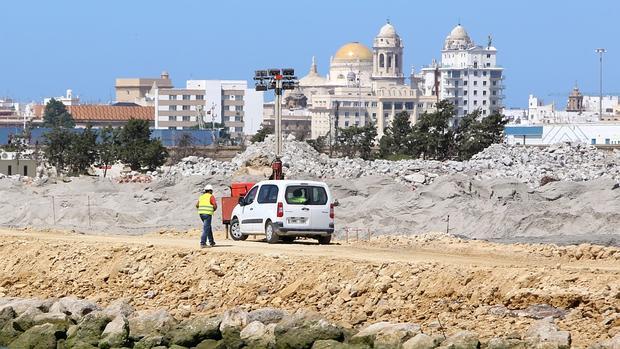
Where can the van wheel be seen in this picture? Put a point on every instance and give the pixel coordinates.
(325, 240)
(271, 233)
(235, 231)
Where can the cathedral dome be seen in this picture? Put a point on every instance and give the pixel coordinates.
(387, 31)
(352, 52)
(458, 39)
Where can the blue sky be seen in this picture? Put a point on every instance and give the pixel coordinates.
(49, 46)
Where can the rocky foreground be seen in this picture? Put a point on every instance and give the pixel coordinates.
(75, 323)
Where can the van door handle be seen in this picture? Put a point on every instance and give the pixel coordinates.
(251, 208)
(305, 209)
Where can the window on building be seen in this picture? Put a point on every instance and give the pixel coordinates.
(484, 102)
(593, 141)
(381, 60)
(172, 127)
(200, 97)
(475, 83)
(26, 167)
(387, 105)
(398, 105)
(606, 142)
(484, 112)
(346, 114)
(475, 71)
(172, 118)
(488, 55)
(464, 102)
(186, 97)
(389, 61)
(484, 73)
(484, 83)
(475, 102)
(238, 108)
(373, 104)
(185, 117)
(374, 116)
(357, 115)
(172, 97)
(9, 170)
(172, 107)
(484, 93)
(475, 92)
(346, 123)
(409, 105)
(493, 102)
(186, 107)
(396, 61)
(488, 64)
(494, 83)
(465, 83)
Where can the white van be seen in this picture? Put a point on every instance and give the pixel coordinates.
(284, 210)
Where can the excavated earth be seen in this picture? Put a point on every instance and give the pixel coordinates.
(443, 283)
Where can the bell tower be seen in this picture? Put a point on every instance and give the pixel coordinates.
(388, 56)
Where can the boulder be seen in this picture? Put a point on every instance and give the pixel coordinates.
(116, 333)
(302, 329)
(545, 332)
(333, 344)
(506, 343)
(192, 332)
(394, 336)
(75, 308)
(6, 314)
(44, 336)
(52, 318)
(9, 333)
(149, 342)
(421, 341)
(21, 305)
(461, 340)
(88, 330)
(26, 319)
(210, 344)
(119, 307)
(150, 323)
(258, 335)
(266, 315)
(233, 322)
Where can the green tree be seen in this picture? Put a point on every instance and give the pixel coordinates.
(137, 149)
(82, 151)
(474, 133)
(318, 144)
(261, 134)
(107, 148)
(397, 137)
(56, 115)
(356, 140)
(432, 135)
(57, 147)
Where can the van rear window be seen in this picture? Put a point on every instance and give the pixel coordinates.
(305, 195)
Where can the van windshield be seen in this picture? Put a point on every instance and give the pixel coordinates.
(305, 195)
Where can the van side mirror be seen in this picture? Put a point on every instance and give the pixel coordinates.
(242, 201)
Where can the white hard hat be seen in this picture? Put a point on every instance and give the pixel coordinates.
(208, 187)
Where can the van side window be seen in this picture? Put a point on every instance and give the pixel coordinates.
(305, 195)
(249, 198)
(268, 194)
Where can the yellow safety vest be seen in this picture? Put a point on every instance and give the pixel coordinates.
(204, 204)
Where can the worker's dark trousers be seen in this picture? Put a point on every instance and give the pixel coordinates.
(207, 232)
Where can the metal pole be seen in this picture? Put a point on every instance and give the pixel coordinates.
(600, 51)
(448, 225)
(278, 126)
(53, 210)
(89, 224)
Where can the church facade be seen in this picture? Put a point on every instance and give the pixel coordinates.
(368, 86)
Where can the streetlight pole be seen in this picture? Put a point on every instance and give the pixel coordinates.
(600, 51)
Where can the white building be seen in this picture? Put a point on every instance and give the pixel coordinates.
(68, 99)
(230, 102)
(468, 75)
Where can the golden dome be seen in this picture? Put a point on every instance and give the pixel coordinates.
(353, 51)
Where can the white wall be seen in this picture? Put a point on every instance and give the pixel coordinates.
(253, 111)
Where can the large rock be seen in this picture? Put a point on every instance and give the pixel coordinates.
(26, 319)
(266, 315)
(506, 343)
(210, 344)
(385, 334)
(545, 332)
(119, 307)
(258, 335)
(75, 308)
(150, 323)
(333, 344)
(21, 305)
(44, 336)
(6, 314)
(150, 342)
(233, 322)
(192, 332)
(421, 341)
(116, 333)
(612, 343)
(88, 330)
(9, 332)
(461, 340)
(302, 329)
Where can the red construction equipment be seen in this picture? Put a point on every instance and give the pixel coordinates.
(237, 190)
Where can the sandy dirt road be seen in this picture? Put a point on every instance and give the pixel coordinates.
(471, 285)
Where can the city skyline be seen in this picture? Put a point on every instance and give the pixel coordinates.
(84, 47)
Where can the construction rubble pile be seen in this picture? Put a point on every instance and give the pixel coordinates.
(570, 162)
(75, 323)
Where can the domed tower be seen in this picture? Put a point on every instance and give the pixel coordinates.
(458, 39)
(388, 56)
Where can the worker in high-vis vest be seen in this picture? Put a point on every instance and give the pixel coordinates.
(206, 206)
